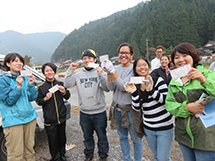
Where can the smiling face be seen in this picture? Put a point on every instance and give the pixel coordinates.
(87, 59)
(125, 56)
(142, 68)
(159, 53)
(182, 60)
(15, 66)
(164, 61)
(49, 73)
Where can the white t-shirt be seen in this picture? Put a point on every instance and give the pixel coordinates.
(155, 63)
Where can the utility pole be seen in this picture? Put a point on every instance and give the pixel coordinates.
(147, 52)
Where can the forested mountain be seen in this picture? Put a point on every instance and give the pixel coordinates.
(162, 22)
(40, 46)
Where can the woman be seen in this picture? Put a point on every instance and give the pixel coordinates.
(54, 111)
(164, 70)
(124, 118)
(18, 115)
(150, 97)
(196, 141)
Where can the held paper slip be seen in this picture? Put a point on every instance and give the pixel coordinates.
(25, 73)
(70, 146)
(103, 58)
(93, 65)
(138, 80)
(209, 103)
(79, 62)
(54, 88)
(180, 72)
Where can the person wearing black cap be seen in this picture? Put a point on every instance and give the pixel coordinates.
(54, 111)
(91, 84)
(212, 66)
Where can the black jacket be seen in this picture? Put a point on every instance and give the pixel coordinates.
(160, 72)
(54, 110)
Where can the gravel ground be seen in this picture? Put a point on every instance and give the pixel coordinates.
(75, 136)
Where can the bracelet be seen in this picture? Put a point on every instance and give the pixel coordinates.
(112, 73)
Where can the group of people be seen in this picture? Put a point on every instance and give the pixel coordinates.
(140, 110)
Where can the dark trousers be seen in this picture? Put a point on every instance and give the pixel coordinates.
(57, 140)
(97, 123)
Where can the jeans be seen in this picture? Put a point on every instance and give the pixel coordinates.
(160, 143)
(196, 155)
(97, 123)
(124, 141)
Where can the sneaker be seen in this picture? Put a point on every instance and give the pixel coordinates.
(88, 158)
(103, 158)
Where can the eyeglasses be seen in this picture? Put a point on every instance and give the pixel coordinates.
(159, 51)
(140, 65)
(125, 53)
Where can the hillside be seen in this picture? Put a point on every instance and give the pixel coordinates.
(162, 22)
(40, 46)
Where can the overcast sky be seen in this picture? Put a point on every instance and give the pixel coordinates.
(31, 16)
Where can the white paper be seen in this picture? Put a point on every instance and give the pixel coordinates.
(103, 58)
(80, 62)
(180, 72)
(93, 65)
(54, 88)
(138, 80)
(26, 73)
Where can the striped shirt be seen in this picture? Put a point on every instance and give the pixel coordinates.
(155, 116)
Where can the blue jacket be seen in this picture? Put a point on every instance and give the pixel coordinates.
(15, 106)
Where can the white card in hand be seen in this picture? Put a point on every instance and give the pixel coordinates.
(25, 73)
(93, 65)
(79, 62)
(138, 80)
(103, 58)
(54, 88)
(180, 72)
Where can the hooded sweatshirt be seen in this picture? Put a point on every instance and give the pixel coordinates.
(90, 87)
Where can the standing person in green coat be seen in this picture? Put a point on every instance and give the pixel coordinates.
(196, 142)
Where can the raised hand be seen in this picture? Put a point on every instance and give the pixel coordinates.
(149, 85)
(62, 89)
(73, 66)
(19, 81)
(48, 96)
(31, 79)
(196, 74)
(99, 70)
(130, 87)
(109, 66)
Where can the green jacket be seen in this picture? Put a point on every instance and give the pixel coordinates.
(190, 130)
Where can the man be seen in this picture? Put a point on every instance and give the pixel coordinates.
(155, 63)
(91, 84)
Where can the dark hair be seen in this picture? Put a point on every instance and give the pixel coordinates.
(159, 47)
(11, 58)
(165, 56)
(125, 44)
(135, 64)
(186, 48)
(50, 65)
